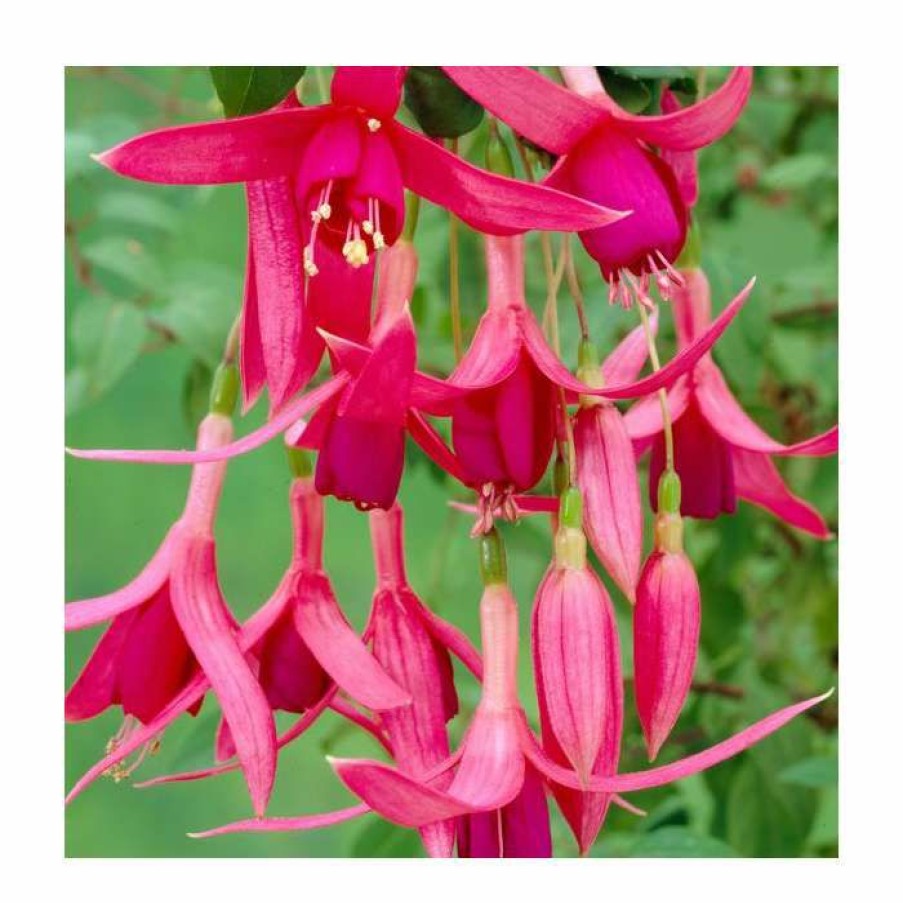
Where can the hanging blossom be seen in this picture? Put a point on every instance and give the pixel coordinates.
(491, 763)
(604, 156)
(171, 630)
(326, 185)
(720, 454)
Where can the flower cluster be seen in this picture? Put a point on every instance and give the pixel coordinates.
(331, 269)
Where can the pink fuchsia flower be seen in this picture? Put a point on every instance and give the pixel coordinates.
(666, 621)
(604, 156)
(719, 453)
(491, 763)
(606, 464)
(503, 428)
(577, 664)
(171, 622)
(520, 830)
(413, 644)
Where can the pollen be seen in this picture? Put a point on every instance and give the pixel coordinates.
(374, 125)
(355, 252)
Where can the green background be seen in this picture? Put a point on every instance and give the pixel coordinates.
(153, 280)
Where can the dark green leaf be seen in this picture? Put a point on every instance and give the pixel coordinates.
(681, 843)
(819, 771)
(252, 89)
(627, 91)
(440, 107)
(127, 259)
(383, 840)
(796, 172)
(137, 208)
(660, 73)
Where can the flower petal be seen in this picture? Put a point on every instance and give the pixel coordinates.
(243, 149)
(683, 163)
(490, 203)
(201, 612)
(251, 363)
(644, 419)
(624, 364)
(376, 89)
(733, 424)
(87, 612)
(545, 113)
(432, 443)
(340, 650)
(759, 482)
(278, 424)
(704, 122)
(291, 823)
(494, 351)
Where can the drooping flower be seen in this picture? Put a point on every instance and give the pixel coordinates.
(412, 644)
(604, 156)
(666, 621)
(577, 665)
(719, 453)
(172, 622)
(491, 763)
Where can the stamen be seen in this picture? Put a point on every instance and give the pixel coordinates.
(355, 249)
(675, 274)
(379, 242)
(640, 292)
(122, 770)
(374, 125)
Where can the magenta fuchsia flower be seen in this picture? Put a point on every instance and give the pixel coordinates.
(604, 156)
(577, 665)
(719, 453)
(170, 623)
(666, 621)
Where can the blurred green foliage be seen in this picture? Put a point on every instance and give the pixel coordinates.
(153, 281)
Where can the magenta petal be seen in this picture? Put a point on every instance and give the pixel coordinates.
(694, 127)
(433, 445)
(547, 114)
(204, 619)
(489, 203)
(376, 89)
(87, 612)
(683, 163)
(395, 796)
(629, 356)
(339, 296)
(253, 369)
(526, 831)
(494, 351)
(644, 419)
(454, 640)
(292, 823)
(733, 424)
(340, 650)
(278, 424)
(759, 482)
(233, 150)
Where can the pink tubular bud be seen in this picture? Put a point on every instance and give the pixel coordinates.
(607, 476)
(665, 634)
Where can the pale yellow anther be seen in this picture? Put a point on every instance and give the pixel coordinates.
(355, 252)
(315, 215)
(373, 125)
(367, 226)
(325, 211)
(310, 268)
(379, 241)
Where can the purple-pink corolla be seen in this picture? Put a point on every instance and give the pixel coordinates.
(170, 628)
(720, 454)
(604, 155)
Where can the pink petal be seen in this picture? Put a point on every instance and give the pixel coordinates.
(526, 831)
(547, 114)
(434, 446)
(232, 150)
(454, 640)
(202, 615)
(293, 823)
(350, 713)
(701, 124)
(376, 89)
(759, 482)
(683, 163)
(339, 296)
(494, 351)
(87, 612)
(340, 650)
(629, 356)
(278, 424)
(253, 369)
(489, 203)
(734, 425)
(644, 418)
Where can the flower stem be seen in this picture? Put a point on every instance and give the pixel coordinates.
(662, 394)
(454, 285)
(570, 271)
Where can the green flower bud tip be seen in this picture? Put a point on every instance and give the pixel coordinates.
(570, 510)
(224, 392)
(300, 461)
(493, 564)
(498, 157)
(587, 355)
(669, 493)
(560, 476)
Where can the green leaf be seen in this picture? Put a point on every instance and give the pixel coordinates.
(796, 172)
(654, 72)
(202, 306)
(440, 107)
(107, 338)
(79, 147)
(626, 90)
(815, 318)
(383, 840)
(681, 843)
(818, 771)
(196, 393)
(252, 89)
(126, 258)
(137, 208)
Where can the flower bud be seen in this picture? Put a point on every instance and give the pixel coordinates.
(665, 632)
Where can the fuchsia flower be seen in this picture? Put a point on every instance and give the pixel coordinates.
(604, 156)
(503, 428)
(577, 664)
(326, 181)
(492, 762)
(719, 453)
(170, 624)
(666, 621)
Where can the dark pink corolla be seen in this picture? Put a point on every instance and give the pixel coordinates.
(605, 156)
(720, 455)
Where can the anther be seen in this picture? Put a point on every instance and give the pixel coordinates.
(373, 125)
